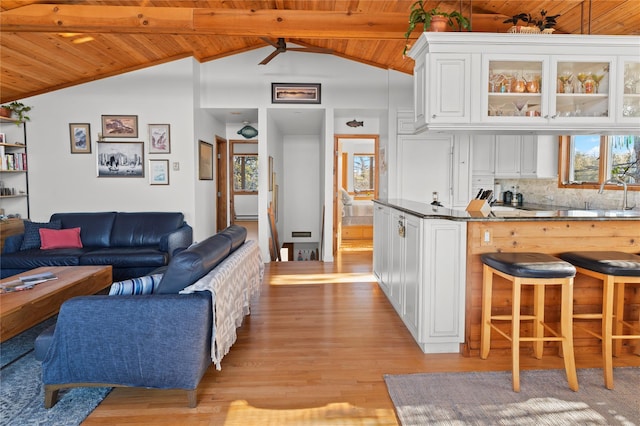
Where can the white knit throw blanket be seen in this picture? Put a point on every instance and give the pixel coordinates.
(233, 283)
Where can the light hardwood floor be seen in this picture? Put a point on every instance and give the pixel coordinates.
(313, 352)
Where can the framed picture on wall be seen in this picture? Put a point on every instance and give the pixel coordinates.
(80, 138)
(159, 172)
(119, 126)
(120, 159)
(205, 161)
(159, 139)
(295, 93)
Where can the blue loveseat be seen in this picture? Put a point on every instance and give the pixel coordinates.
(164, 340)
(133, 243)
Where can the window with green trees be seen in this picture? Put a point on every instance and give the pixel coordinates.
(245, 173)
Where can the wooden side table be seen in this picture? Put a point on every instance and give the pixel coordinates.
(8, 228)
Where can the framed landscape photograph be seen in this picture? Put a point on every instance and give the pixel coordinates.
(120, 159)
(80, 138)
(119, 126)
(159, 172)
(159, 139)
(205, 161)
(295, 93)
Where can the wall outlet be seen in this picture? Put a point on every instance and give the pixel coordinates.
(176, 166)
(486, 237)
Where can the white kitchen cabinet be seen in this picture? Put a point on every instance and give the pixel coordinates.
(515, 156)
(515, 83)
(484, 152)
(628, 107)
(441, 84)
(427, 280)
(430, 164)
(405, 122)
(381, 249)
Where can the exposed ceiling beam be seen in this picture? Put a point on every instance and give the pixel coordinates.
(188, 21)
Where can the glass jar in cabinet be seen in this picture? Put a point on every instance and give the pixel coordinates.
(515, 88)
(582, 90)
(628, 93)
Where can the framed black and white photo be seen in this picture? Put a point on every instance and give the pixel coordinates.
(295, 93)
(159, 139)
(119, 126)
(159, 172)
(120, 159)
(205, 161)
(80, 138)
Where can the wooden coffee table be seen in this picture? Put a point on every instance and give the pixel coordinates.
(21, 310)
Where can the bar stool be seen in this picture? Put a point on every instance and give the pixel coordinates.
(539, 270)
(614, 269)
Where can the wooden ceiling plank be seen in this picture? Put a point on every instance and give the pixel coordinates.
(233, 22)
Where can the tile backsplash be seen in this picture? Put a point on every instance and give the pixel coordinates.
(546, 191)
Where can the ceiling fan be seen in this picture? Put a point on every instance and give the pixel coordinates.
(281, 47)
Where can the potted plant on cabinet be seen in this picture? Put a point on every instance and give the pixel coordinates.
(543, 23)
(18, 109)
(433, 20)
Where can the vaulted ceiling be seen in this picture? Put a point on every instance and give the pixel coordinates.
(48, 45)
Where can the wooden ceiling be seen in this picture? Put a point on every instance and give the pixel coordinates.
(48, 45)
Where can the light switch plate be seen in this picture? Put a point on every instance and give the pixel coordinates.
(176, 166)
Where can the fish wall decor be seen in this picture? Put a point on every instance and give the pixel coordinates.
(355, 123)
(248, 132)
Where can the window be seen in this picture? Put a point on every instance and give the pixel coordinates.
(245, 173)
(363, 173)
(590, 160)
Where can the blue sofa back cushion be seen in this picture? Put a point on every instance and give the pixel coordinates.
(31, 239)
(237, 234)
(143, 229)
(190, 265)
(95, 228)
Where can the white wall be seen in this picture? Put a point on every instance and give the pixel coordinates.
(61, 182)
(181, 93)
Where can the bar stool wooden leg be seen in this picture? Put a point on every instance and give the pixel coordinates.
(538, 313)
(618, 316)
(607, 330)
(515, 334)
(566, 331)
(487, 282)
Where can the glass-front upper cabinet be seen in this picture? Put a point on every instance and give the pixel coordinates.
(582, 88)
(515, 88)
(629, 89)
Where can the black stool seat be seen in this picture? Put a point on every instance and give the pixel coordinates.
(615, 263)
(529, 265)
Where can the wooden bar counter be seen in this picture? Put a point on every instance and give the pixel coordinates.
(552, 237)
(528, 229)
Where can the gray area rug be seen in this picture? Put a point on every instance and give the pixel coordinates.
(22, 393)
(487, 398)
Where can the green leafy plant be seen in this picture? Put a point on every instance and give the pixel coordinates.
(20, 110)
(543, 22)
(418, 15)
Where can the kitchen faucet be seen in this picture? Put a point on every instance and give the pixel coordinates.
(618, 181)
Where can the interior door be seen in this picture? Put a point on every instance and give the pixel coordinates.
(221, 187)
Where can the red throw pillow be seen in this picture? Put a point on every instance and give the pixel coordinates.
(63, 238)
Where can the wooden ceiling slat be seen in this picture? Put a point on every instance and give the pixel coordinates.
(132, 34)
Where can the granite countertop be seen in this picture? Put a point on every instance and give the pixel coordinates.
(526, 212)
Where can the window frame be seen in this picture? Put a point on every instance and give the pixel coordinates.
(565, 167)
(233, 182)
(370, 192)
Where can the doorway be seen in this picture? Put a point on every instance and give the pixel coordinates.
(356, 183)
(221, 187)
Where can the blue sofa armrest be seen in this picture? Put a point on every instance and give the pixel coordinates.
(12, 243)
(154, 341)
(177, 240)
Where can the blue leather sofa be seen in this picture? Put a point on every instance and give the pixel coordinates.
(161, 340)
(133, 243)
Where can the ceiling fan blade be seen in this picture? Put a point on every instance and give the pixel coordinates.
(271, 42)
(311, 49)
(266, 60)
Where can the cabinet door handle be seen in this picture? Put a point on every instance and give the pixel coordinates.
(433, 116)
(554, 116)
